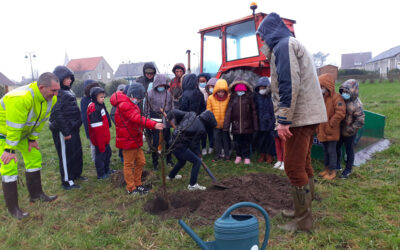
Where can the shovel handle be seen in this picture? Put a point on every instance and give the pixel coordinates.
(208, 171)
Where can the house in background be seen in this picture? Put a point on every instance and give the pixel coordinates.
(328, 69)
(6, 83)
(95, 68)
(385, 61)
(355, 60)
(131, 71)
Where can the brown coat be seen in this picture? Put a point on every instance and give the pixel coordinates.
(241, 111)
(335, 109)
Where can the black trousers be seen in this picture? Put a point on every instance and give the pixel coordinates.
(243, 145)
(69, 155)
(330, 156)
(265, 142)
(183, 155)
(222, 141)
(102, 161)
(348, 142)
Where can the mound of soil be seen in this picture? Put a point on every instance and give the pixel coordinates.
(267, 190)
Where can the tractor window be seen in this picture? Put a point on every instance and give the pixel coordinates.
(241, 41)
(212, 52)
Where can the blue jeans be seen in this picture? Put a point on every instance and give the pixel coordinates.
(210, 134)
(185, 154)
(348, 142)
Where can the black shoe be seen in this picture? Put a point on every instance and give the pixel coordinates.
(134, 192)
(104, 176)
(71, 187)
(345, 174)
(82, 178)
(142, 190)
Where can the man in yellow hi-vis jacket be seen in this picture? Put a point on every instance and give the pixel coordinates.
(23, 113)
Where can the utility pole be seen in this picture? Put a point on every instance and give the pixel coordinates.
(31, 54)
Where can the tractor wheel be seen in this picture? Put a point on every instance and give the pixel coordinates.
(245, 74)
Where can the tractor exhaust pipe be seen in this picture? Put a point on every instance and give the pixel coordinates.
(188, 68)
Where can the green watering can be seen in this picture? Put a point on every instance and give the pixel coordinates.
(234, 232)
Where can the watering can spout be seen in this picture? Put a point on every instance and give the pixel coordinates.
(194, 236)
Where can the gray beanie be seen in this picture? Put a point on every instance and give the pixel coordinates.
(136, 90)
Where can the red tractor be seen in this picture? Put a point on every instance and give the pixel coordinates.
(231, 49)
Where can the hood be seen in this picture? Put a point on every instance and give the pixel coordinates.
(208, 119)
(205, 75)
(350, 85)
(177, 115)
(272, 30)
(179, 66)
(221, 85)
(136, 90)
(189, 82)
(327, 81)
(240, 81)
(211, 83)
(159, 80)
(262, 82)
(63, 72)
(121, 87)
(149, 65)
(88, 85)
(94, 92)
(118, 98)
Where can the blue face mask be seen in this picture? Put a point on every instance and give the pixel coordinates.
(346, 96)
(160, 89)
(240, 93)
(211, 90)
(135, 101)
(203, 85)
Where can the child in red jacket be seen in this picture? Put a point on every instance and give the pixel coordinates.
(99, 131)
(129, 127)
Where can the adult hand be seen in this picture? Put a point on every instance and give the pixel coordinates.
(159, 126)
(33, 144)
(6, 157)
(67, 137)
(284, 132)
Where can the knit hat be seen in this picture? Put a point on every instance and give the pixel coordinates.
(240, 87)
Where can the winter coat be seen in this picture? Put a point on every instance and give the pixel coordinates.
(65, 116)
(218, 108)
(143, 79)
(264, 106)
(175, 84)
(99, 122)
(192, 99)
(189, 127)
(296, 93)
(85, 101)
(241, 111)
(158, 100)
(335, 109)
(354, 119)
(128, 122)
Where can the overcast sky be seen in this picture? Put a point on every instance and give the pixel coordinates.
(162, 30)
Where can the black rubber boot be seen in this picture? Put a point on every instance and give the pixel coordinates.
(11, 197)
(34, 184)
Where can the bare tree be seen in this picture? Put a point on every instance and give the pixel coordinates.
(320, 58)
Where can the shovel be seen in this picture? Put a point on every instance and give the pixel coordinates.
(214, 180)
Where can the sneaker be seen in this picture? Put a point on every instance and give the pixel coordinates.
(71, 187)
(247, 161)
(282, 166)
(134, 192)
(82, 178)
(345, 174)
(196, 187)
(177, 177)
(238, 160)
(278, 164)
(142, 190)
(210, 150)
(204, 151)
(104, 176)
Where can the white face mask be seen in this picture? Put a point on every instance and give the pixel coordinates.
(262, 91)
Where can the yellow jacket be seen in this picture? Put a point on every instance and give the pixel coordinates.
(218, 107)
(23, 113)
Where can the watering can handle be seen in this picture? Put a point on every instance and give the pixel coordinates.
(251, 204)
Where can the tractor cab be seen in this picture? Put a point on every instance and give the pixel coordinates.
(233, 48)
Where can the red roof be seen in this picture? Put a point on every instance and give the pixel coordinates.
(84, 64)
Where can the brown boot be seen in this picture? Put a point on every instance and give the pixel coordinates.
(323, 173)
(302, 210)
(330, 176)
(290, 213)
(269, 159)
(34, 184)
(262, 158)
(11, 197)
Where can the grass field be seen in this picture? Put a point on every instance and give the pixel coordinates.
(358, 213)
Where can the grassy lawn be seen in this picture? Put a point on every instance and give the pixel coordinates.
(361, 212)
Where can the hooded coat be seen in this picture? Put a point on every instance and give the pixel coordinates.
(99, 121)
(175, 84)
(65, 116)
(355, 117)
(265, 108)
(128, 121)
(335, 109)
(143, 79)
(216, 106)
(192, 99)
(241, 111)
(158, 100)
(296, 93)
(85, 103)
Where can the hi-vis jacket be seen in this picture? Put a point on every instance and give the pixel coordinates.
(23, 113)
